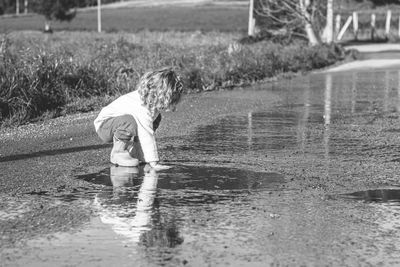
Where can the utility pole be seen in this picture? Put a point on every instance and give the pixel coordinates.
(387, 24)
(252, 21)
(99, 15)
(17, 7)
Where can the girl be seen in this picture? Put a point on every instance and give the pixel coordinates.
(131, 120)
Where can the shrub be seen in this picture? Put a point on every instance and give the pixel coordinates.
(57, 76)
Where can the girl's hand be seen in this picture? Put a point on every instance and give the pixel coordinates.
(159, 167)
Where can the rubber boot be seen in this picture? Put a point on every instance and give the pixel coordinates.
(120, 156)
(135, 150)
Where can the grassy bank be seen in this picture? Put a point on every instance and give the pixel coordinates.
(51, 75)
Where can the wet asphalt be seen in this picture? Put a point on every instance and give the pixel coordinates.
(300, 172)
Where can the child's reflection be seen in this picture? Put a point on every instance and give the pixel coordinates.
(117, 207)
(130, 215)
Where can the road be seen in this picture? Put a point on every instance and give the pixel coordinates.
(291, 173)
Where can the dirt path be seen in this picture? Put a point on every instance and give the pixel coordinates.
(317, 137)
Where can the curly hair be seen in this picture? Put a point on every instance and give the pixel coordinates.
(160, 89)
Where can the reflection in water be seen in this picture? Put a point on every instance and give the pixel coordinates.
(386, 92)
(377, 195)
(328, 99)
(212, 206)
(133, 219)
(327, 119)
(218, 180)
(353, 92)
(123, 176)
(302, 128)
(257, 131)
(398, 91)
(133, 205)
(384, 206)
(356, 98)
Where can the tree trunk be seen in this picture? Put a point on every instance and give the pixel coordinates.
(312, 37)
(328, 31)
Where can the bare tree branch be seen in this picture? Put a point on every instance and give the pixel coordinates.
(298, 16)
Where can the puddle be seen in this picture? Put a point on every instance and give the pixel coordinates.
(131, 200)
(148, 217)
(12, 208)
(388, 196)
(182, 185)
(383, 210)
(188, 178)
(251, 132)
(197, 213)
(315, 116)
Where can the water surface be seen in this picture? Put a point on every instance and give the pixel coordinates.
(228, 201)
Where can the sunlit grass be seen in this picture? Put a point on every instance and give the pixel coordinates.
(69, 72)
(78, 71)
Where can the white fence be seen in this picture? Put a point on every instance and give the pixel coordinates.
(353, 20)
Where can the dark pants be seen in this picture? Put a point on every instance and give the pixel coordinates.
(122, 127)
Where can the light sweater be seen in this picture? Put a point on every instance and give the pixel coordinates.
(131, 104)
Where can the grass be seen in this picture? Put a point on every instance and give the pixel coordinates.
(52, 75)
(49, 75)
(163, 18)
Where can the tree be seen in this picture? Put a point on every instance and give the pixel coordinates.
(327, 35)
(61, 10)
(297, 17)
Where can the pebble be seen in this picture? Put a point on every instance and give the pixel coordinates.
(274, 215)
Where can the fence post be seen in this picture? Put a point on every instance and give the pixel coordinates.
(17, 7)
(337, 24)
(388, 19)
(373, 23)
(355, 24)
(99, 15)
(345, 26)
(252, 21)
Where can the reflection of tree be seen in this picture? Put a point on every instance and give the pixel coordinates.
(378, 195)
(256, 131)
(134, 216)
